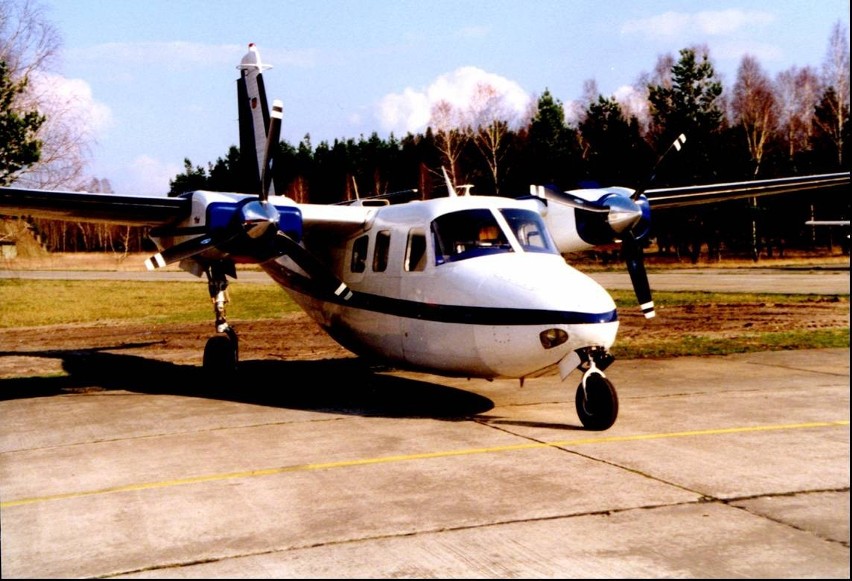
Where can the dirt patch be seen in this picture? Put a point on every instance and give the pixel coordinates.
(733, 320)
(37, 351)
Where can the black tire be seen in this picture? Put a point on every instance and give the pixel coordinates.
(221, 355)
(598, 406)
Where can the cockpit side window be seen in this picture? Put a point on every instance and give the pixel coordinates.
(530, 230)
(382, 251)
(359, 254)
(466, 234)
(415, 251)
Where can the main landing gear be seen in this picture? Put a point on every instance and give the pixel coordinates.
(221, 354)
(596, 399)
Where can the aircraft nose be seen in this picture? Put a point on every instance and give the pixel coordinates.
(547, 283)
(554, 309)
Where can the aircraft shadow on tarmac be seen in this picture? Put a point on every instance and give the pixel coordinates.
(347, 386)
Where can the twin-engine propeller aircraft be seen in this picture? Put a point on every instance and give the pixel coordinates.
(468, 286)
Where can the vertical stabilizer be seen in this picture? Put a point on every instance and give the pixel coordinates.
(253, 111)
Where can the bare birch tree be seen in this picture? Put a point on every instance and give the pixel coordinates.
(28, 42)
(797, 92)
(449, 125)
(491, 123)
(835, 72)
(754, 108)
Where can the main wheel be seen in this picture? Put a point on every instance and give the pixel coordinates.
(598, 405)
(221, 355)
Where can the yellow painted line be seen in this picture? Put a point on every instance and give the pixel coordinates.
(423, 456)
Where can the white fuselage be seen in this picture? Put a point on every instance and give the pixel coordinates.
(429, 298)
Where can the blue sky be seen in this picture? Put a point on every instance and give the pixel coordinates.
(159, 77)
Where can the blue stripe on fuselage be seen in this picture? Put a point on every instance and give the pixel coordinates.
(462, 314)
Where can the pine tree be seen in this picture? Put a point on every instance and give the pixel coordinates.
(19, 146)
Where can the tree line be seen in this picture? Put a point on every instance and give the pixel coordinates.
(795, 124)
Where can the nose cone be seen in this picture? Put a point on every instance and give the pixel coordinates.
(558, 310)
(546, 282)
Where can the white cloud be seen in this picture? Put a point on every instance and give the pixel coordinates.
(409, 111)
(150, 176)
(672, 25)
(404, 112)
(72, 100)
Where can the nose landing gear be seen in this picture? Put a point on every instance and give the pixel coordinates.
(596, 399)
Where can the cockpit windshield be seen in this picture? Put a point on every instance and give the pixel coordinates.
(529, 229)
(476, 232)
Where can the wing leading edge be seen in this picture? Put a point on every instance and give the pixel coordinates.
(88, 207)
(677, 197)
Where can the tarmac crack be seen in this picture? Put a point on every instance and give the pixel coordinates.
(802, 369)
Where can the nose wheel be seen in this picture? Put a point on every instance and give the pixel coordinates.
(221, 353)
(596, 400)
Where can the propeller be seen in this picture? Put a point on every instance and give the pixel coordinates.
(617, 214)
(631, 243)
(253, 227)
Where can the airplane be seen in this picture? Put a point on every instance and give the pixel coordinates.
(465, 285)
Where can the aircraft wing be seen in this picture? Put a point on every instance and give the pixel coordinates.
(87, 207)
(694, 195)
(157, 211)
(340, 220)
(827, 223)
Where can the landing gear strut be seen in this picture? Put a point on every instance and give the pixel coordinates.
(596, 399)
(221, 354)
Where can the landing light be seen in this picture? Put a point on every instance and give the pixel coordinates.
(552, 338)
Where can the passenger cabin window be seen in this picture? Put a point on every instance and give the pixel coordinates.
(529, 229)
(415, 251)
(466, 234)
(359, 254)
(382, 251)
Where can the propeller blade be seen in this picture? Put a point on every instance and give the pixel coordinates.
(271, 142)
(570, 199)
(315, 269)
(179, 252)
(631, 248)
(676, 145)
